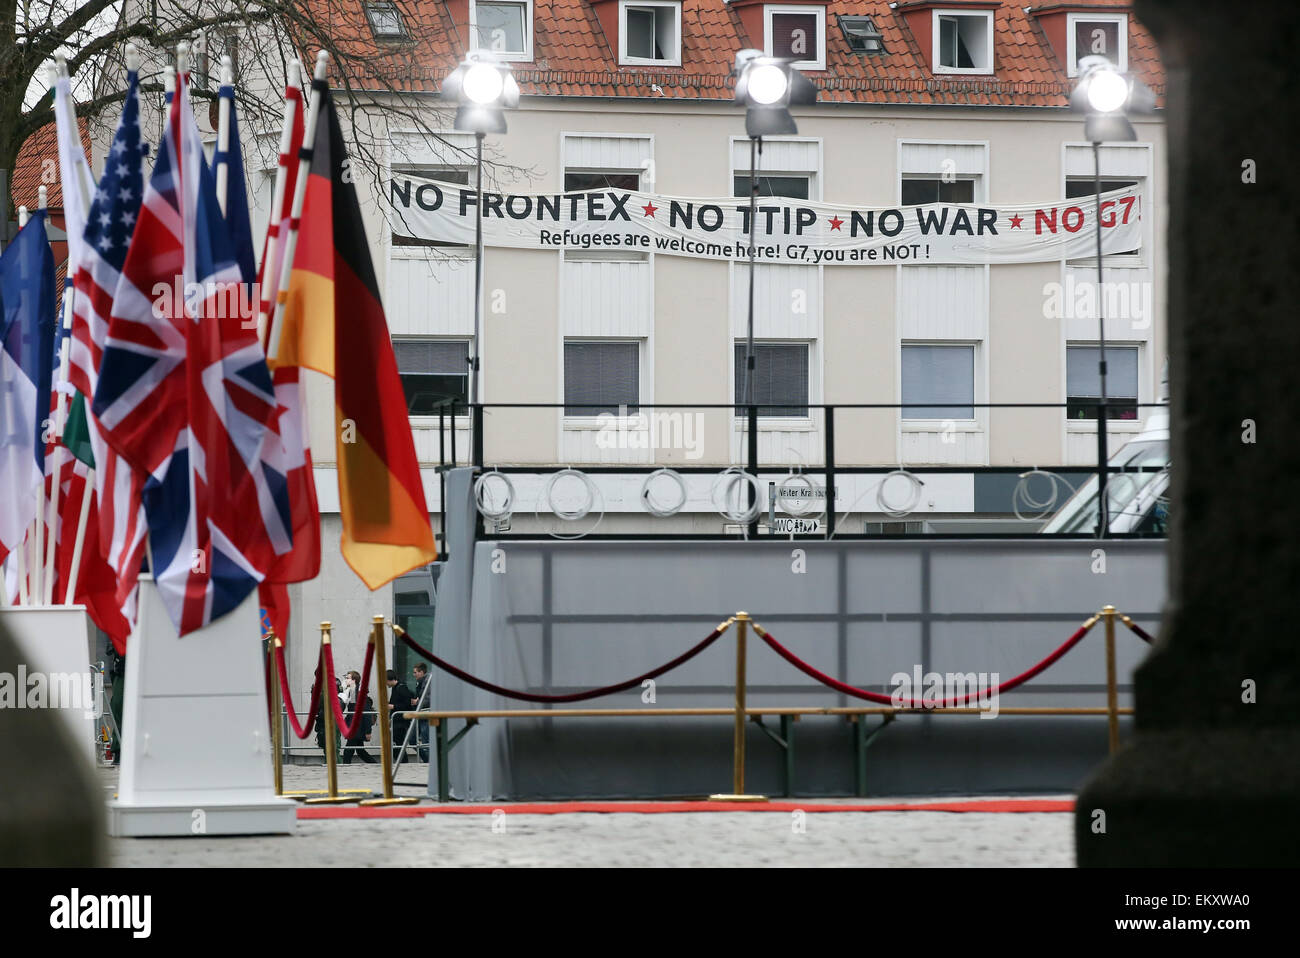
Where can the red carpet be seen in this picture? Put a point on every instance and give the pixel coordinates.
(652, 808)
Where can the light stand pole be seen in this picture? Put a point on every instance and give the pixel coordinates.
(766, 87)
(1103, 456)
(1104, 94)
(483, 89)
(478, 268)
(755, 151)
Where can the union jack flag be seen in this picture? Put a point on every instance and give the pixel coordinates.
(184, 394)
(110, 224)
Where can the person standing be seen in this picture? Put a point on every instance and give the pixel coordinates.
(400, 699)
(356, 744)
(320, 720)
(422, 702)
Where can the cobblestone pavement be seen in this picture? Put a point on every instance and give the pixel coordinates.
(894, 839)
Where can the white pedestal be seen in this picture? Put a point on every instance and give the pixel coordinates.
(196, 756)
(55, 641)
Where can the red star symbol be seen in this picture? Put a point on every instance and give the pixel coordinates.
(650, 209)
(1016, 221)
(836, 222)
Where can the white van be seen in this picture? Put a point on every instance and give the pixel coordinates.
(1138, 501)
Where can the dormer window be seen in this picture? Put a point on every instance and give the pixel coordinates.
(1096, 34)
(503, 26)
(963, 41)
(650, 32)
(861, 34)
(385, 21)
(798, 32)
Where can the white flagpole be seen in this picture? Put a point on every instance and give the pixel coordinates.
(273, 237)
(70, 594)
(223, 135)
(81, 173)
(23, 594)
(295, 213)
(38, 541)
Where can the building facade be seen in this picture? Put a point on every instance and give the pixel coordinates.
(920, 102)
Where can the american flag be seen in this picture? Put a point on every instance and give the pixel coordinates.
(109, 226)
(184, 394)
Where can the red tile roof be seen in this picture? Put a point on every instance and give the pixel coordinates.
(39, 154)
(574, 57)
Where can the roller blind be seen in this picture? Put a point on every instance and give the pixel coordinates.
(604, 375)
(938, 374)
(780, 377)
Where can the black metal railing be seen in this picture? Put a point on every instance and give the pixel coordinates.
(830, 469)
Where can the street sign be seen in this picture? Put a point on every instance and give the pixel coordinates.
(785, 525)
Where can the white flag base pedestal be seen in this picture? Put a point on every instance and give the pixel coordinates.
(54, 641)
(196, 751)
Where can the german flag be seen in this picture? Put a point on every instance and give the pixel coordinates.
(334, 322)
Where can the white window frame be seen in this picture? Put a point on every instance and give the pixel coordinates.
(673, 61)
(431, 422)
(780, 423)
(430, 253)
(976, 422)
(818, 11)
(1136, 260)
(934, 41)
(515, 56)
(595, 421)
(1071, 55)
(1112, 425)
(907, 173)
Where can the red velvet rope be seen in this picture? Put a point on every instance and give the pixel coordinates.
(303, 730)
(347, 729)
(1137, 630)
(950, 702)
(569, 696)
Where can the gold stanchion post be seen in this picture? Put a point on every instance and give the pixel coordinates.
(1112, 692)
(738, 744)
(277, 722)
(327, 707)
(385, 729)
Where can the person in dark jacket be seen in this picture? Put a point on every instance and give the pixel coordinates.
(320, 721)
(357, 743)
(400, 699)
(422, 701)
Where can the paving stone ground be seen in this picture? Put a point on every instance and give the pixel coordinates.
(892, 839)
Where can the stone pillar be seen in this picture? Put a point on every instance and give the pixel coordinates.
(1212, 775)
(51, 804)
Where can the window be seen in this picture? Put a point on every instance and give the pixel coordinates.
(385, 21)
(933, 375)
(650, 33)
(861, 34)
(794, 186)
(1096, 34)
(505, 28)
(780, 379)
(446, 175)
(585, 180)
(606, 375)
(1085, 187)
(582, 180)
(1083, 382)
(434, 374)
(798, 33)
(963, 42)
(920, 191)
